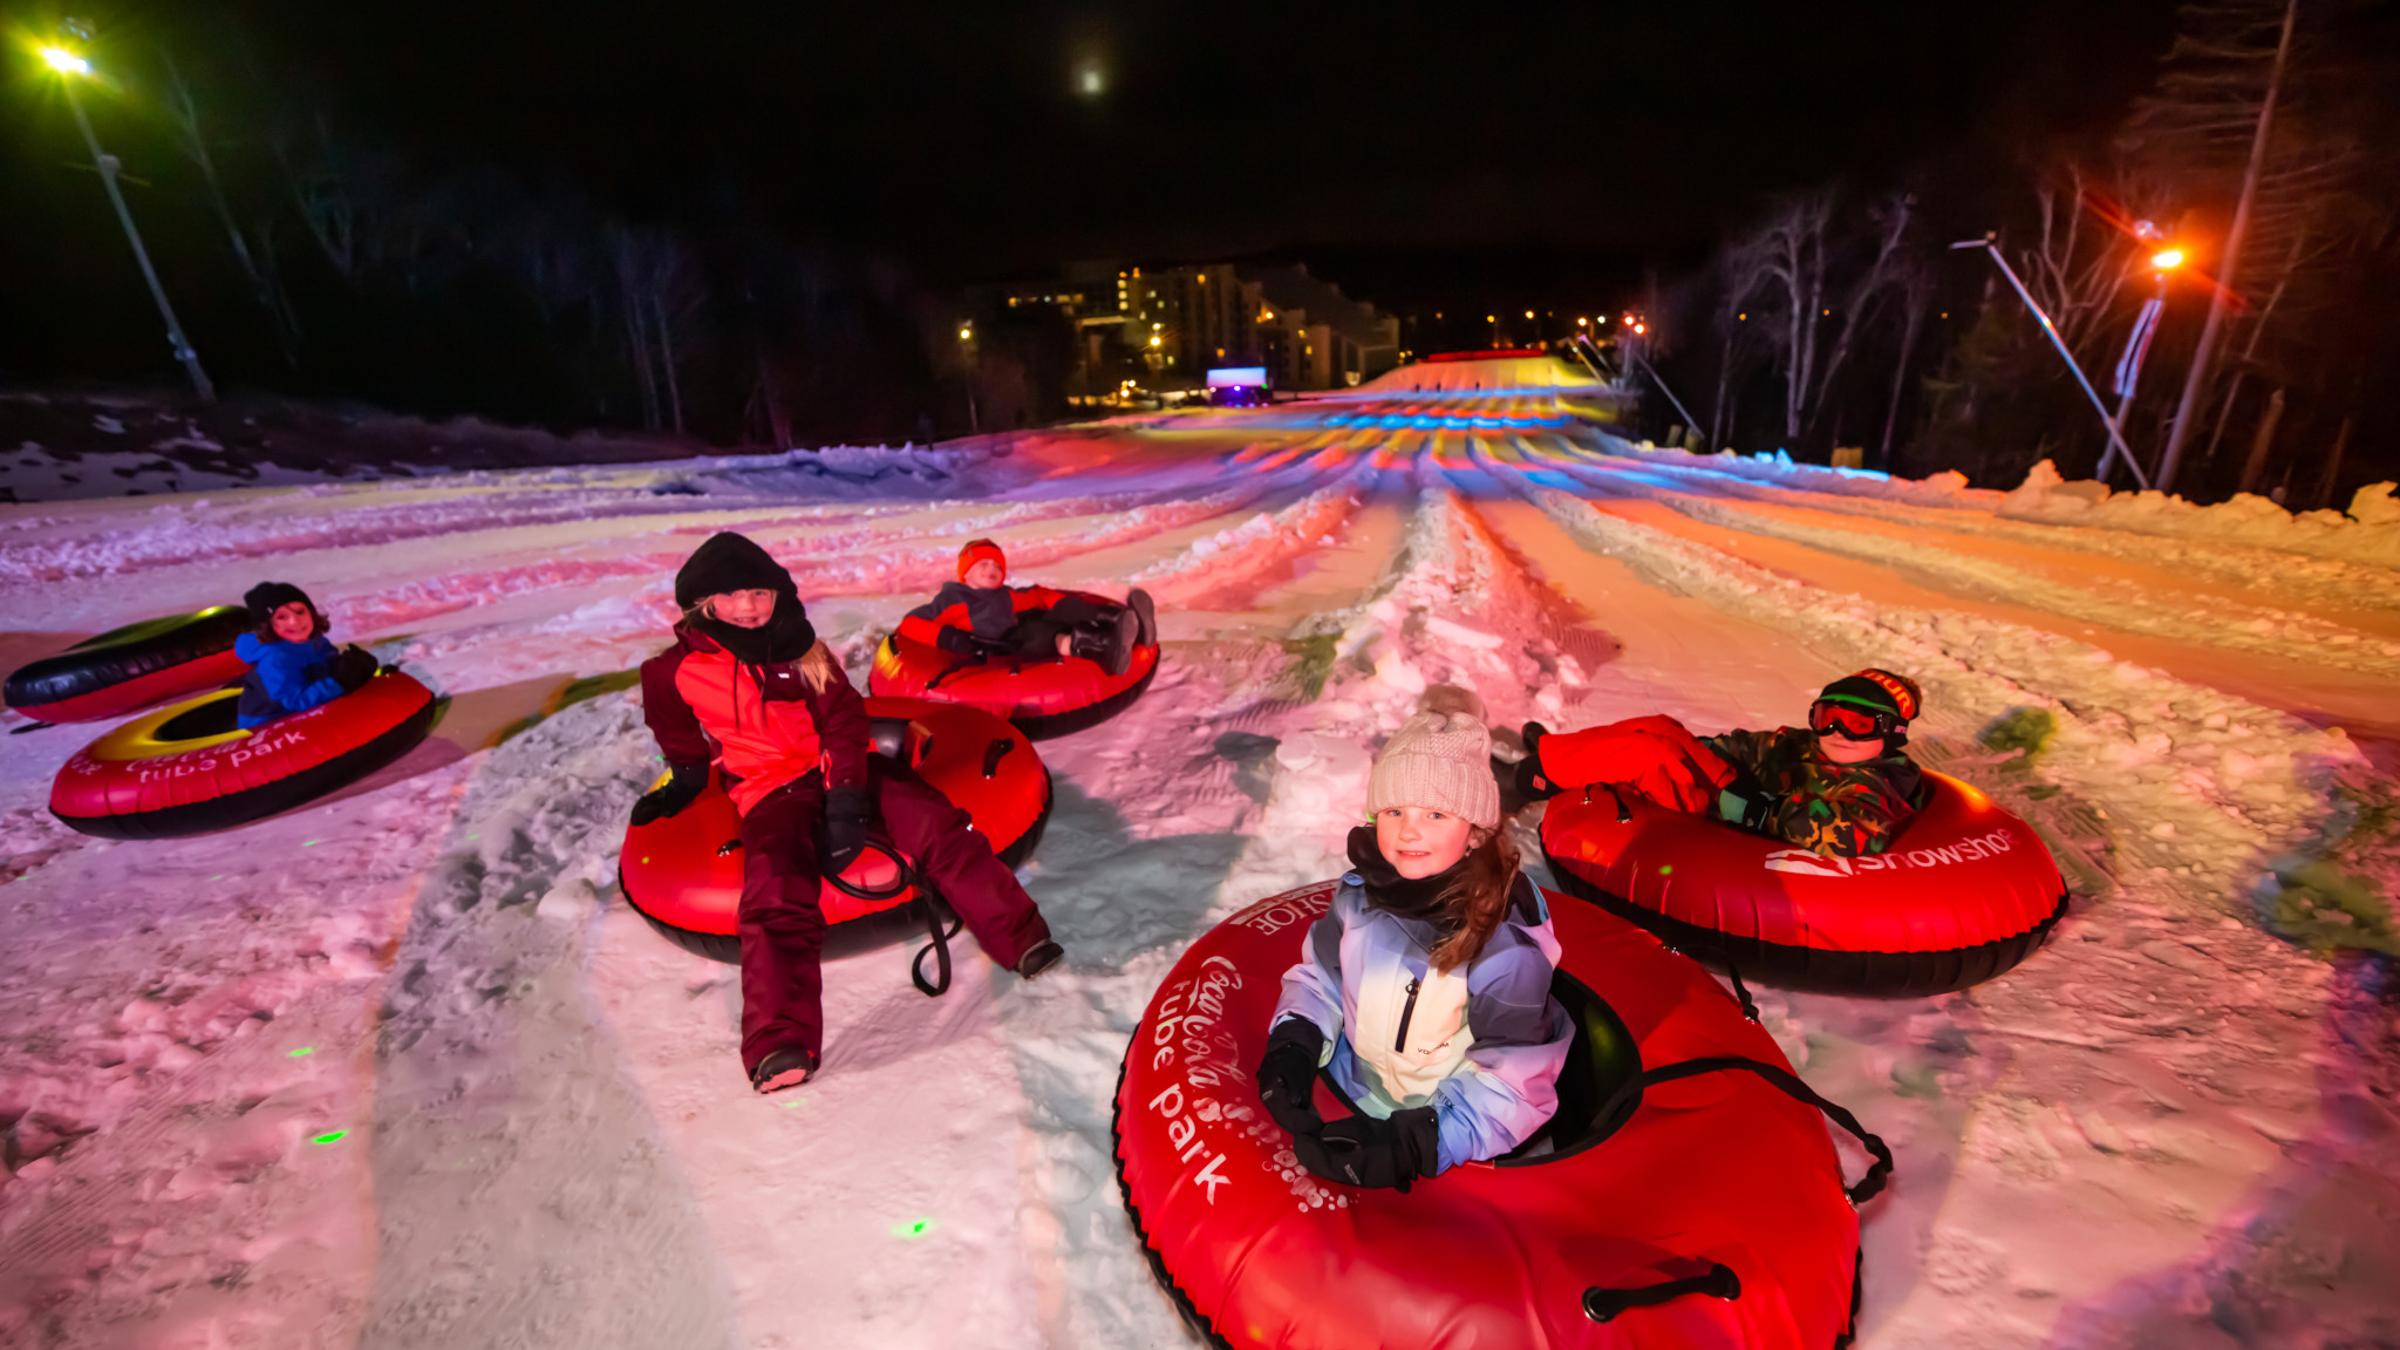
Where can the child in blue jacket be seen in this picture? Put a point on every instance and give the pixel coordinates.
(1425, 990)
(292, 666)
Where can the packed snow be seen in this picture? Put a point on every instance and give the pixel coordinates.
(401, 1069)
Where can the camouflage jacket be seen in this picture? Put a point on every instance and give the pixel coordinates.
(1840, 810)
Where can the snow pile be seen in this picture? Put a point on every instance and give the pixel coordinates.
(2368, 533)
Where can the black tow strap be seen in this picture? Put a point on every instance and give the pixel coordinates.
(1742, 991)
(1601, 1303)
(938, 946)
(1878, 1173)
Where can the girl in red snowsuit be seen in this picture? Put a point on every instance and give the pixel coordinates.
(748, 686)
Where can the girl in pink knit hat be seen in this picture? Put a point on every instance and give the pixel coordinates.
(1424, 991)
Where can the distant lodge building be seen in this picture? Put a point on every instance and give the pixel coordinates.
(1162, 329)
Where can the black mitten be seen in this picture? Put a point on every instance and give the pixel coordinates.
(1382, 1154)
(671, 797)
(846, 817)
(1287, 1075)
(354, 666)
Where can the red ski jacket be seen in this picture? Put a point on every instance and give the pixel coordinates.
(766, 725)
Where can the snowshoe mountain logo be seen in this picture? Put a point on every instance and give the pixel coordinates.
(1801, 862)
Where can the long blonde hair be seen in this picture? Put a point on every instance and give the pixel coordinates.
(817, 665)
(1477, 899)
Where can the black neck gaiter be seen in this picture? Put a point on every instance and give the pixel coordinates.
(1393, 893)
(786, 636)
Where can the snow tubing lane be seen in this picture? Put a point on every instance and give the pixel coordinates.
(130, 668)
(1638, 1186)
(187, 768)
(1966, 891)
(1043, 698)
(684, 873)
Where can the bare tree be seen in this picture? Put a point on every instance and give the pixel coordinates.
(2224, 76)
(1816, 286)
(264, 284)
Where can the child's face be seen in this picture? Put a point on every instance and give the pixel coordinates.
(1418, 842)
(985, 574)
(293, 622)
(743, 609)
(1835, 748)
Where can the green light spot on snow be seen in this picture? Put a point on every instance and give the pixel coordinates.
(304, 1052)
(912, 1231)
(308, 843)
(330, 1137)
(1666, 869)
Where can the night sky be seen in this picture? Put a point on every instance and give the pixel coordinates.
(1410, 151)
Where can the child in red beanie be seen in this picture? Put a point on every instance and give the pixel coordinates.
(980, 616)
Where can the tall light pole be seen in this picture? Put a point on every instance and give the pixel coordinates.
(2116, 441)
(2137, 346)
(72, 66)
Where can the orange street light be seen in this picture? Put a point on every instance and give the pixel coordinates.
(2167, 259)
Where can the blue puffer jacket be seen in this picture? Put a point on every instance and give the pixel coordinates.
(1482, 1045)
(284, 678)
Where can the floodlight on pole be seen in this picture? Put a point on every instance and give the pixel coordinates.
(2167, 259)
(2116, 439)
(72, 66)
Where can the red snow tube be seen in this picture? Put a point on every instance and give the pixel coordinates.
(1965, 891)
(684, 873)
(188, 768)
(1684, 1194)
(1043, 698)
(133, 667)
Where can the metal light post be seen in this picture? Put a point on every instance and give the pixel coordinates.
(2137, 346)
(71, 67)
(2115, 440)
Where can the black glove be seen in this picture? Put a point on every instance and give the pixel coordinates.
(973, 646)
(1287, 1075)
(1381, 1154)
(671, 797)
(845, 828)
(354, 667)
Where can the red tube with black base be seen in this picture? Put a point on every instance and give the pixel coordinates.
(1686, 1193)
(684, 873)
(130, 668)
(1966, 890)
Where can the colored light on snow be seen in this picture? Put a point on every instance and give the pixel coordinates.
(913, 1231)
(1666, 869)
(330, 1137)
(303, 1052)
(308, 843)
(65, 62)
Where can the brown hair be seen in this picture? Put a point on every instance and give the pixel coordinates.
(1477, 899)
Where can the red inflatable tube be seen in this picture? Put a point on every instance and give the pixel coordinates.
(1965, 891)
(684, 873)
(1043, 698)
(188, 768)
(1685, 1194)
(127, 669)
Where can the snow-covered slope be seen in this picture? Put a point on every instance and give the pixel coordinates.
(401, 1069)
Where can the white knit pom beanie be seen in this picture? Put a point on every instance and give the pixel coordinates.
(1439, 759)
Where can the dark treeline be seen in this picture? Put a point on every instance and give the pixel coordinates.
(308, 257)
(1842, 317)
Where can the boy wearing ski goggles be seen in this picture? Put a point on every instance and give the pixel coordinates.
(1842, 785)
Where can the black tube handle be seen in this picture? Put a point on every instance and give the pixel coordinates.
(1624, 813)
(907, 876)
(1602, 1304)
(995, 752)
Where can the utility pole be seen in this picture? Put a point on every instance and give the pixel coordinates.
(73, 66)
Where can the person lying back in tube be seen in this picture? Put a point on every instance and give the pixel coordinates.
(980, 616)
(1842, 786)
(1424, 991)
(293, 667)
